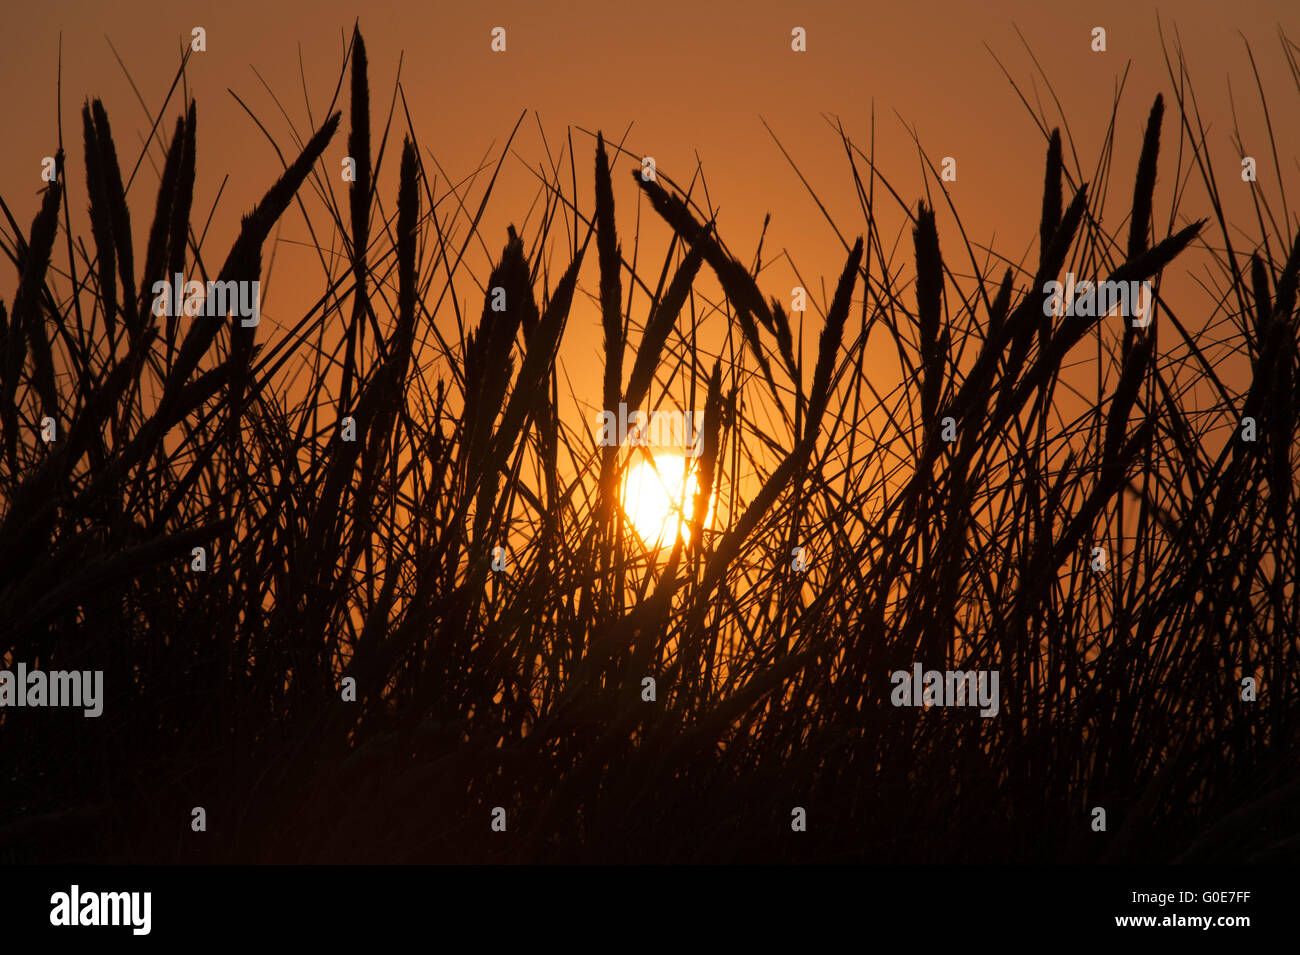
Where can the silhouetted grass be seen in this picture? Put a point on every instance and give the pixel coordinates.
(371, 560)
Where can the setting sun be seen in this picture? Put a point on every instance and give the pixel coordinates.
(658, 495)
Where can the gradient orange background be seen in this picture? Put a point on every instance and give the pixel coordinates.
(690, 80)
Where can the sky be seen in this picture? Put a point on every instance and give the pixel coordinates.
(683, 82)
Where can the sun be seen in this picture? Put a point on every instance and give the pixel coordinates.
(659, 496)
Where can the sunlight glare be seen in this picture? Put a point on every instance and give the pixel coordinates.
(657, 500)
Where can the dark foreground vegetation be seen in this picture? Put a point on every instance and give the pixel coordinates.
(371, 560)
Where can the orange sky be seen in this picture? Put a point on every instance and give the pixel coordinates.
(690, 79)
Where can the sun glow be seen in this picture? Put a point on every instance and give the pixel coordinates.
(659, 496)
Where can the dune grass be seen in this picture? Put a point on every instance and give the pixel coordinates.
(371, 560)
